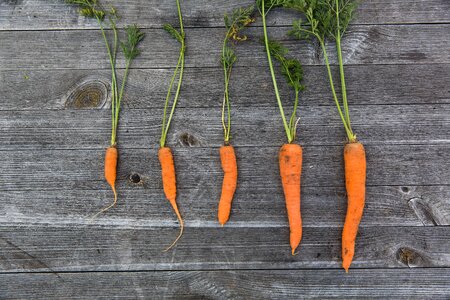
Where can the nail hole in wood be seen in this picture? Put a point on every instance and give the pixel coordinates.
(405, 189)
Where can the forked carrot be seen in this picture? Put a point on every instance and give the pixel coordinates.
(290, 159)
(229, 167)
(355, 183)
(170, 184)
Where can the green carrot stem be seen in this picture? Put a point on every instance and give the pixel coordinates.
(350, 134)
(294, 114)
(179, 69)
(113, 82)
(177, 95)
(272, 72)
(341, 69)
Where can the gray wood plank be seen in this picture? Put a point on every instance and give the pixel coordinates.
(54, 14)
(197, 167)
(140, 207)
(278, 284)
(105, 247)
(201, 127)
(250, 86)
(80, 49)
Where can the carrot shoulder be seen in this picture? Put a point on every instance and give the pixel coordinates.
(229, 167)
(170, 184)
(355, 182)
(290, 159)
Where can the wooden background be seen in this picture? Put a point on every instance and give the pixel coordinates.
(55, 125)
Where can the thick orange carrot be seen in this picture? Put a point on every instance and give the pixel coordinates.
(355, 182)
(229, 167)
(170, 184)
(290, 158)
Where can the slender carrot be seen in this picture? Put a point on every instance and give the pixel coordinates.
(229, 167)
(165, 154)
(170, 184)
(93, 9)
(290, 159)
(355, 182)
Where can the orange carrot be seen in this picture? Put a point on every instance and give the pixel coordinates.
(229, 167)
(170, 184)
(111, 157)
(355, 182)
(290, 158)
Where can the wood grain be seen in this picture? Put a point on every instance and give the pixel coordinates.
(81, 49)
(201, 127)
(69, 169)
(261, 284)
(103, 246)
(54, 14)
(140, 206)
(250, 87)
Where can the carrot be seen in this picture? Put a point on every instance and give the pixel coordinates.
(239, 19)
(93, 9)
(290, 155)
(111, 158)
(330, 21)
(290, 159)
(229, 167)
(165, 154)
(355, 182)
(170, 184)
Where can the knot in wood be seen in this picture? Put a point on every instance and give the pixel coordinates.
(89, 94)
(188, 140)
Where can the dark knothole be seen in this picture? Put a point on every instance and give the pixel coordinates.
(135, 178)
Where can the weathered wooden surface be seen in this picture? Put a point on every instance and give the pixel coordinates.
(263, 284)
(54, 126)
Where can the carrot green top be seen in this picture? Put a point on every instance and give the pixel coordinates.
(290, 68)
(178, 35)
(93, 9)
(234, 23)
(327, 20)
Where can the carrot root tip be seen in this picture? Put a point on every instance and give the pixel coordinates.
(181, 230)
(107, 207)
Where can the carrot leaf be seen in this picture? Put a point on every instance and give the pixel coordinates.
(173, 32)
(327, 20)
(134, 37)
